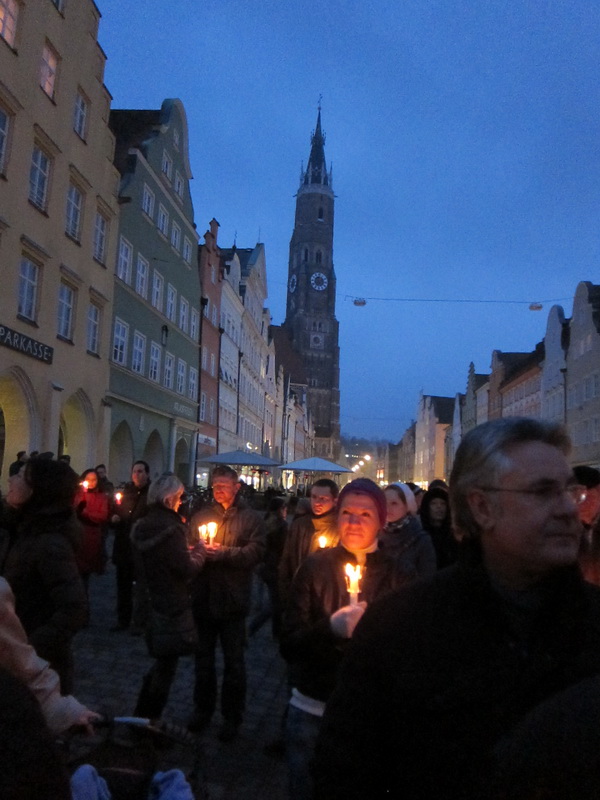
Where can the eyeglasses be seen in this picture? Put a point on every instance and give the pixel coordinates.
(548, 493)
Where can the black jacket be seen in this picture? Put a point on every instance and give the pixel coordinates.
(438, 672)
(408, 543)
(319, 589)
(222, 589)
(160, 539)
(41, 569)
(132, 506)
(301, 541)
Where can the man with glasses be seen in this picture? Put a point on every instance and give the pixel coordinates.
(439, 674)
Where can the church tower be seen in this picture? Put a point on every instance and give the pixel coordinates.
(310, 321)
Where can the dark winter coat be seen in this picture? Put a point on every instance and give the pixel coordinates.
(437, 673)
(222, 589)
(301, 541)
(129, 510)
(41, 568)
(160, 539)
(408, 543)
(318, 590)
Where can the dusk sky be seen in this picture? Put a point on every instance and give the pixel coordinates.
(465, 143)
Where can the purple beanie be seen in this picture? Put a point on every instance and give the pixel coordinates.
(370, 488)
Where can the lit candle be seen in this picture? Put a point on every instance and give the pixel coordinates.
(202, 532)
(322, 541)
(85, 485)
(353, 576)
(212, 530)
(118, 498)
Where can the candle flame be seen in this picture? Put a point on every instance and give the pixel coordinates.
(212, 530)
(322, 541)
(118, 497)
(353, 577)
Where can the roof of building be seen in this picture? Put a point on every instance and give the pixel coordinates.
(443, 408)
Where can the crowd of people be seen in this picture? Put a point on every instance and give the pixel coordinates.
(437, 641)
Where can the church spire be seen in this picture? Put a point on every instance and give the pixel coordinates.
(316, 170)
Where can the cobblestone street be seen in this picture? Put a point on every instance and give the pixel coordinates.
(109, 670)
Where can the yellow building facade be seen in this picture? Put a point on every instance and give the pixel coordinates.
(58, 226)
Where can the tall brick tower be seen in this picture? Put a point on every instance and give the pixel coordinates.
(310, 321)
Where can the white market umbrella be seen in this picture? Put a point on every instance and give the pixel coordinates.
(241, 458)
(314, 464)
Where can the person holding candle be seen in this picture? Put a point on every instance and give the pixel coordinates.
(309, 532)
(221, 601)
(328, 596)
(403, 536)
(93, 510)
(126, 512)
(439, 675)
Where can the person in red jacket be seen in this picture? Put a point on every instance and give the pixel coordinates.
(93, 509)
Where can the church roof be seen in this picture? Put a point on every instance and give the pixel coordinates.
(316, 169)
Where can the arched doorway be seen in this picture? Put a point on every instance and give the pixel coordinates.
(76, 434)
(182, 461)
(120, 454)
(154, 454)
(19, 422)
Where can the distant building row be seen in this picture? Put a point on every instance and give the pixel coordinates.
(120, 336)
(559, 380)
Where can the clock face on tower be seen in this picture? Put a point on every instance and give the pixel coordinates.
(318, 281)
(292, 284)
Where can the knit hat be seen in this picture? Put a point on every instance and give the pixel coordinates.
(370, 488)
(587, 476)
(411, 503)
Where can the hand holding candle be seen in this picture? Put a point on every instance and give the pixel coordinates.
(353, 578)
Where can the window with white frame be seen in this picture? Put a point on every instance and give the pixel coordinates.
(29, 280)
(181, 374)
(214, 315)
(202, 406)
(100, 237)
(74, 212)
(154, 366)
(120, 339)
(4, 127)
(141, 276)
(93, 329)
(124, 260)
(48, 69)
(204, 358)
(167, 165)
(66, 310)
(148, 201)
(138, 352)
(171, 302)
(184, 308)
(163, 220)
(213, 273)
(211, 411)
(157, 290)
(9, 13)
(193, 384)
(187, 250)
(194, 324)
(178, 185)
(39, 178)
(168, 374)
(212, 364)
(207, 308)
(81, 114)
(176, 236)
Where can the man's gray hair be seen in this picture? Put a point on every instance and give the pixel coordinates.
(168, 485)
(483, 457)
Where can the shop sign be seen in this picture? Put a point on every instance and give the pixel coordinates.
(26, 345)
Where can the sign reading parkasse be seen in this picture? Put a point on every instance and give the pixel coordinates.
(25, 344)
